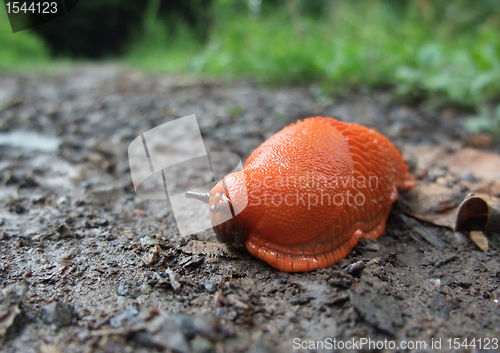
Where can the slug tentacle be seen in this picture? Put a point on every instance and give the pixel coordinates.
(202, 196)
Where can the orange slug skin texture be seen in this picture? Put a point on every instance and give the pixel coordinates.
(312, 190)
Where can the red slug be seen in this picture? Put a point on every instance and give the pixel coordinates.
(307, 194)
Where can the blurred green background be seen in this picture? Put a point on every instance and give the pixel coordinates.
(444, 51)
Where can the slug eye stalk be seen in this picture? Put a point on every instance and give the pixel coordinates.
(201, 196)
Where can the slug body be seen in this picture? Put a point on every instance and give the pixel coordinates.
(307, 194)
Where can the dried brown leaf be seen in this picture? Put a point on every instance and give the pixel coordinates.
(432, 202)
(480, 240)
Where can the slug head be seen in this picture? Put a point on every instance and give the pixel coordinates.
(227, 200)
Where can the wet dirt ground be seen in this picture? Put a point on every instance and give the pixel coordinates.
(87, 266)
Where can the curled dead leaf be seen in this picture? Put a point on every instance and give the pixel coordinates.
(479, 213)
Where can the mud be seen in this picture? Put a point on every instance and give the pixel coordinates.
(87, 266)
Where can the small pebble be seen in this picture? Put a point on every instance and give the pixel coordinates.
(210, 287)
(58, 314)
(126, 317)
(147, 240)
(185, 323)
(173, 280)
(124, 289)
(355, 268)
(150, 257)
(468, 176)
(459, 239)
(145, 288)
(65, 231)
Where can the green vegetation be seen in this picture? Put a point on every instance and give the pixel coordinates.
(445, 51)
(487, 121)
(21, 50)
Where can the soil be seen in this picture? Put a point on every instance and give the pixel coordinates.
(87, 266)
